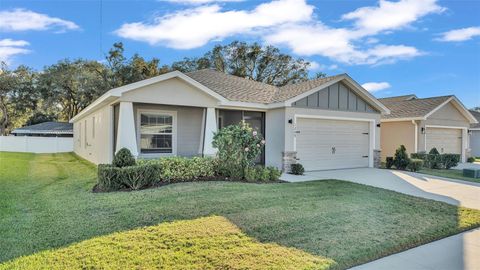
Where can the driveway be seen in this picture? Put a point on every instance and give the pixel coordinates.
(456, 252)
(454, 192)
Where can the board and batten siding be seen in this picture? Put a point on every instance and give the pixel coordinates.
(335, 97)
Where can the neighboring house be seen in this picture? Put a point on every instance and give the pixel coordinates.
(424, 123)
(475, 135)
(46, 129)
(326, 123)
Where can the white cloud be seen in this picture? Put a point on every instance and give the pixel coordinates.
(376, 86)
(338, 45)
(199, 2)
(23, 20)
(290, 23)
(195, 27)
(391, 15)
(460, 34)
(10, 48)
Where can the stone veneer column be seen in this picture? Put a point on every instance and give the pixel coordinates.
(289, 158)
(377, 158)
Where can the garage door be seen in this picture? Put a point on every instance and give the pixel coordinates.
(332, 144)
(446, 140)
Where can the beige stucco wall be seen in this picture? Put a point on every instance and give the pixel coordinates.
(170, 92)
(98, 147)
(395, 134)
(189, 127)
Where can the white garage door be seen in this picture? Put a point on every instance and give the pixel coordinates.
(446, 140)
(332, 144)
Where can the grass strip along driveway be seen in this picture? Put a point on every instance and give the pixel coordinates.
(451, 173)
(47, 203)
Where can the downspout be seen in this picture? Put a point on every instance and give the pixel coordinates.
(416, 135)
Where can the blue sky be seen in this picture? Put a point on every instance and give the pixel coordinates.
(425, 47)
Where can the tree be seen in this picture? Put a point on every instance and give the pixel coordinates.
(263, 64)
(120, 71)
(18, 96)
(69, 86)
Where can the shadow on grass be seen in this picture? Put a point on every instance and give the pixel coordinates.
(346, 222)
(204, 243)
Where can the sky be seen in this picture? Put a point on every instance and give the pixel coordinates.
(425, 47)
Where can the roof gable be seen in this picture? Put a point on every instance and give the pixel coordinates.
(337, 96)
(421, 108)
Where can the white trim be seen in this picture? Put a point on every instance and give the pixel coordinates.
(173, 114)
(358, 89)
(403, 119)
(474, 128)
(416, 135)
(372, 130)
(438, 126)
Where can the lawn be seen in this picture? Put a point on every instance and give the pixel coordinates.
(454, 174)
(49, 215)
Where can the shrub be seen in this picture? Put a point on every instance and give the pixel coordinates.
(274, 173)
(131, 177)
(238, 148)
(433, 159)
(389, 162)
(415, 164)
(421, 155)
(123, 158)
(450, 160)
(470, 159)
(401, 158)
(263, 174)
(297, 169)
(179, 169)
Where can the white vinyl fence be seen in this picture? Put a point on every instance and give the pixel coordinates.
(36, 144)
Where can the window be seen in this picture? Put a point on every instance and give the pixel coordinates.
(157, 132)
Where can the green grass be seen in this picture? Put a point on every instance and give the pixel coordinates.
(46, 203)
(454, 174)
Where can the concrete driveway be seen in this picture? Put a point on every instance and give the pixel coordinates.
(460, 251)
(454, 192)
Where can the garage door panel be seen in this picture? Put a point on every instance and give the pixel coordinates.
(446, 140)
(316, 138)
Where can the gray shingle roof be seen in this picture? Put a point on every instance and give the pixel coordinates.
(475, 114)
(402, 107)
(47, 128)
(240, 89)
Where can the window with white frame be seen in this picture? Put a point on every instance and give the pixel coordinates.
(157, 132)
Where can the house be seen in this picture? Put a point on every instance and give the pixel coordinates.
(424, 123)
(326, 123)
(46, 129)
(474, 137)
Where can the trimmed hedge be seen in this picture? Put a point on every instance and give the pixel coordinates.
(415, 164)
(123, 158)
(180, 169)
(389, 162)
(438, 161)
(128, 177)
(262, 174)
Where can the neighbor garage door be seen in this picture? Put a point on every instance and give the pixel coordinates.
(332, 144)
(446, 140)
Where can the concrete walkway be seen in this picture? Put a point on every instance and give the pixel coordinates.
(461, 251)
